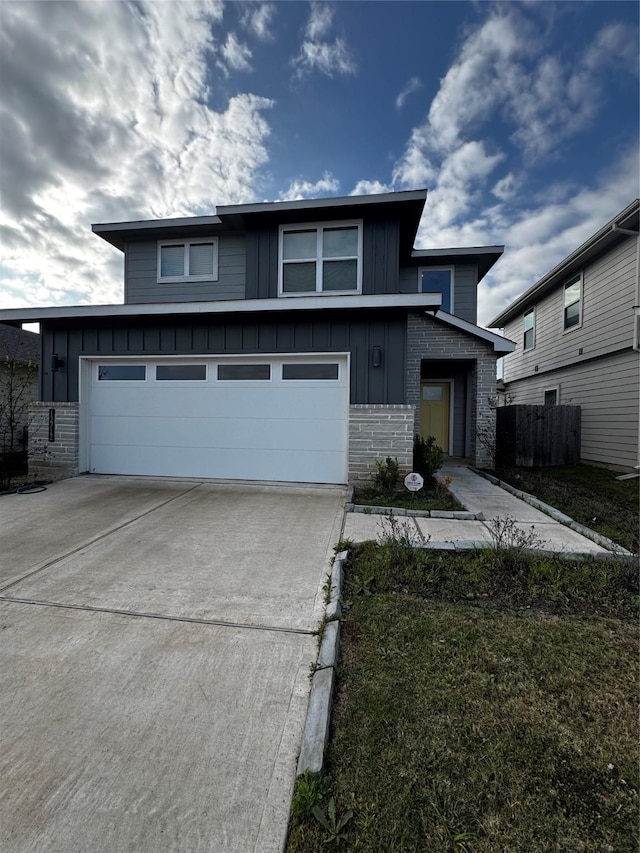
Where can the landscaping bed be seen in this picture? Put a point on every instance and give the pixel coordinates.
(485, 701)
(422, 500)
(591, 496)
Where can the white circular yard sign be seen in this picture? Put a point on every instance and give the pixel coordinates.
(413, 482)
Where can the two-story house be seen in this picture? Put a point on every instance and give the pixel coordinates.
(577, 333)
(291, 341)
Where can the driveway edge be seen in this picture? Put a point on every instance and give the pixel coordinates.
(554, 513)
(316, 728)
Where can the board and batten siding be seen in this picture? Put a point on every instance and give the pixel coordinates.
(465, 301)
(380, 259)
(332, 333)
(608, 294)
(608, 391)
(141, 275)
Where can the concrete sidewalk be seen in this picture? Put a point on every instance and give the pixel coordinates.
(489, 502)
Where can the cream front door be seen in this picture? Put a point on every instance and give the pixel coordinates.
(434, 412)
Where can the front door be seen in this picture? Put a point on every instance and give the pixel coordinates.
(434, 412)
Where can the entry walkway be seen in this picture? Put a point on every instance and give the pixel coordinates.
(488, 502)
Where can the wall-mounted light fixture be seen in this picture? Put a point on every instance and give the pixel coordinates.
(376, 357)
(56, 362)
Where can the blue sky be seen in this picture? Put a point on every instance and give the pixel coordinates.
(520, 118)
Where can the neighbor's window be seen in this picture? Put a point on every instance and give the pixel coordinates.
(572, 302)
(439, 280)
(188, 260)
(530, 328)
(551, 397)
(320, 258)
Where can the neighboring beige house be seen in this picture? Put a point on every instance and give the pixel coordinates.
(577, 334)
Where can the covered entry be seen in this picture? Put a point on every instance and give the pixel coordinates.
(270, 418)
(444, 403)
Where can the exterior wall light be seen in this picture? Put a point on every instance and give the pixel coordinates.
(376, 357)
(55, 363)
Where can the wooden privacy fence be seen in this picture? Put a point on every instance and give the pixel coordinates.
(533, 436)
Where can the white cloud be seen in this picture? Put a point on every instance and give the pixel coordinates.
(299, 189)
(506, 187)
(320, 21)
(236, 55)
(317, 53)
(370, 188)
(91, 134)
(412, 86)
(257, 19)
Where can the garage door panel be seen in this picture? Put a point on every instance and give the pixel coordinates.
(279, 465)
(231, 433)
(288, 430)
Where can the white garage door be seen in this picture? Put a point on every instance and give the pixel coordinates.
(282, 419)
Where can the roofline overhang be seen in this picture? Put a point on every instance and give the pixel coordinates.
(221, 308)
(115, 232)
(610, 233)
(484, 257)
(500, 344)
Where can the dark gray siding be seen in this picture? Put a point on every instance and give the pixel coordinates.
(334, 333)
(465, 300)
(380, 248)
(141, 285)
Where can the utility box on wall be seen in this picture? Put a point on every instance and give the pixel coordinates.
(535, 436)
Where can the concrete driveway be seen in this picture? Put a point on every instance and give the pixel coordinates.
(155, 644)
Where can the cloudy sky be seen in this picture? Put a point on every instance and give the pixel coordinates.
(521, 118)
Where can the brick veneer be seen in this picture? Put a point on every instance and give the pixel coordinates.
(50, 460)
(376, 432)
(429, 339)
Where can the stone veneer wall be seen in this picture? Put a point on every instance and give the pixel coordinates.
(429, 339)
(378, 431)
(50, 460)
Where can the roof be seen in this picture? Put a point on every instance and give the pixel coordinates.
(499, 343)
(426, 301)
(406, 206)
(484, 257)
(19, 344)
(604, 239)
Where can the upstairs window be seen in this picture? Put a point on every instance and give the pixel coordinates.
(438, 280)
(320, 259)
(530, 328)
(188, 260)
(573, 303)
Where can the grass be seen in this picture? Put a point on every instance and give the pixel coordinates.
(485, 702)
(423, 500)
(590, 495)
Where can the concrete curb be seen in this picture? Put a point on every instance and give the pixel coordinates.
(556, 514)
(316, 728)
(461, 515)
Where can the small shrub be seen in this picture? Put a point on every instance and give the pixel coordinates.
(427, 458)
(311, 789)
(509, 542)
(387, 474)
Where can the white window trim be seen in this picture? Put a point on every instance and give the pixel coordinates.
(452, 270)
(319, 227)
(565, 284)
(533, 345)
(187, 243)
(555, 388)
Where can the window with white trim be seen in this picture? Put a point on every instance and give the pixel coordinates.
(188, 260)
(529, 337)
(573, 303)
(551, 397)
(437, 280)
(323, 258)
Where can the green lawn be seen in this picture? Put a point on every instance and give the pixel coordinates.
(590, 495)
(485, 702)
